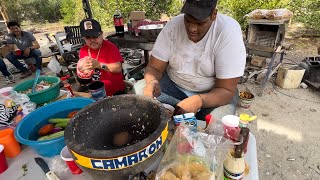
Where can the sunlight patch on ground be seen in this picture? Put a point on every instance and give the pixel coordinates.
(280, 130)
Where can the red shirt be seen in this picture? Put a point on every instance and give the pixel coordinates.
(109, 54)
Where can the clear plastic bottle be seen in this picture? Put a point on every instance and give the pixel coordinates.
(118, 23)
(67, 85)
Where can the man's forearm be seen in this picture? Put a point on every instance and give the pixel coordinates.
(152, 74)
(217, 97)
(113, 67)
(35, 45)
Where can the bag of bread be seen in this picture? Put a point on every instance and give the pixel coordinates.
(279, 14)
(257, 14)
(194, 154)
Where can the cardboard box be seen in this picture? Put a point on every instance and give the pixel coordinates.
(136, 16)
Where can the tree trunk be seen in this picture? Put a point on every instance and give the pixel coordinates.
(4, 13)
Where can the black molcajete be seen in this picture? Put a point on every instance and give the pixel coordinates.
(89, 136)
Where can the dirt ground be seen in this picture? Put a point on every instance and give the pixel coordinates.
(287, 129)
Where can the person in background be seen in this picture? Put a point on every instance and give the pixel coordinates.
(22, 45)
(9, 78)
(197, 61)
(100, 60)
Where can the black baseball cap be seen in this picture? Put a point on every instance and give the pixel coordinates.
(199, 9)
(90, 27)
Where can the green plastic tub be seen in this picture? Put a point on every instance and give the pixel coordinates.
(42, 96)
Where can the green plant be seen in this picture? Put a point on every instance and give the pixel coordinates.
(239, 8)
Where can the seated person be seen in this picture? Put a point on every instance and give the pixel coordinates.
(3, 68)
(197, 61)
(100, 60)
(22, 45)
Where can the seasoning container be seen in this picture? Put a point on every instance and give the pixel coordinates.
(67, 85)
(245, 119)
(234, 167)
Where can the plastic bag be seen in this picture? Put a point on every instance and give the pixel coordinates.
(13, 108)
(8, 110)
(257, 14)
(275, 14)
(279, 14)
(194, 154)
(54, 65)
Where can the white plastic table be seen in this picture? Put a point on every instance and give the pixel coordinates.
(15, 170)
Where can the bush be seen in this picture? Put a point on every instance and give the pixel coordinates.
(34, 10)
(239, 8)
(103, 10)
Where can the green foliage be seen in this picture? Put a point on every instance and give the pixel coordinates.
(71, 11)
(103, 10)
(307, 12)
(33, 10)
(239, 8)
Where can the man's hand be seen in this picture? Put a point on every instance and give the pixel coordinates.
(191, 104)
(152, 89)
(95, 64)
(26, 52)
(90, 64)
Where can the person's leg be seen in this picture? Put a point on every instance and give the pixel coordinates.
(219, 112)
(170, 88)
(3, 68)
(14, 60)
(170, 94)
(36, 53)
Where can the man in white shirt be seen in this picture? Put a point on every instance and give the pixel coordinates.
(197, 61)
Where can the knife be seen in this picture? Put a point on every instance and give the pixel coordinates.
(45, 168)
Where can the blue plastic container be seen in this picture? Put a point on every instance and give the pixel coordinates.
(27, 130)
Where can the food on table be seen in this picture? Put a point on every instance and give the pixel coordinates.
(188, 171)
(39, 87)
(51, 136)
(246, 95)
(55, 129)
(70, 115)
(184, 147)
(59, 120)
(45, 130)
(61, 125)
(121, 138)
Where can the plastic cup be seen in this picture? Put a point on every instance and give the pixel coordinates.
(3, 160)
(11, 146)
(67, 157)
(231, 127)
(5, 91)
(18, 52)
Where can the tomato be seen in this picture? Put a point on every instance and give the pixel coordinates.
(70, 115)
(45, 130)
(184, 147)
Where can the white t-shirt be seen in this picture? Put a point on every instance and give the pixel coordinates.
(194, 66)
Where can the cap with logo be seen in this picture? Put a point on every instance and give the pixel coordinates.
(199, 9)
(90, 27)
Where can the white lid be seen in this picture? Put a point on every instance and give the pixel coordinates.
(231, 120)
